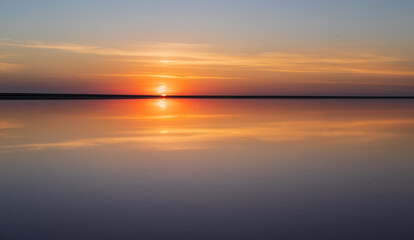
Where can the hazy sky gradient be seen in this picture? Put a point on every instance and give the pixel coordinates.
(208, 47)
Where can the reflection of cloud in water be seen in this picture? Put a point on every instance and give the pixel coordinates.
(149, 142)
(181, 138)
(6, 125)
(168, 117)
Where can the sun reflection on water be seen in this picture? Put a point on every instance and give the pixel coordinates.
(162, 104)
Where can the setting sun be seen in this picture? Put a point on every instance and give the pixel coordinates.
(218, 119)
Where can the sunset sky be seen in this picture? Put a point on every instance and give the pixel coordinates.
(256, 47)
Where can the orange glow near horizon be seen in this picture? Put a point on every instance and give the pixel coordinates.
(162, 89)
(191, 69)
(197, 123)
(161, 104)
(256, 54)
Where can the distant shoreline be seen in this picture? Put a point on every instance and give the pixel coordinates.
(65, 96)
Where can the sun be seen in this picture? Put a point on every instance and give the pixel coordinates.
(163, 95)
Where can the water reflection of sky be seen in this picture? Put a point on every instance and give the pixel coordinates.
(207, 169)
(194, 124)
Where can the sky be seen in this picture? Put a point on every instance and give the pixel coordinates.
(256, 47)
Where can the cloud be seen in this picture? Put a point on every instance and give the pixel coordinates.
(9, 67)
(173, 55)
(149, 75)
(142, 50)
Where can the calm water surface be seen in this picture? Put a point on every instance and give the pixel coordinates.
(207, 169)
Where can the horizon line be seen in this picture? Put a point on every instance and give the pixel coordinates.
(85, 96)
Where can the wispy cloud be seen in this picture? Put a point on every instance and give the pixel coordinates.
(357, 61)
(8, 67)
(149, 75)
(158, 50)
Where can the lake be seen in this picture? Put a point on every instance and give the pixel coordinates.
(207, 169)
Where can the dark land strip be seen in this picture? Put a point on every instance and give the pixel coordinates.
(57, 96)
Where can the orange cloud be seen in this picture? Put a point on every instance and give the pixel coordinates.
(9, 67)
(197, 56)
